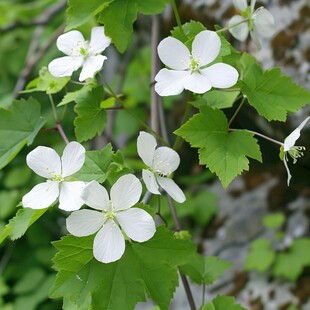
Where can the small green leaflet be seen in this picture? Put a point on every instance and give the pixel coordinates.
(74, 96)
(18, 127)
(19, 224)
(272, 94)
(148, 268)
(225, 153)
(91, 119)
(96, 165)
(222, 303)
(261, 256)
(204, 269)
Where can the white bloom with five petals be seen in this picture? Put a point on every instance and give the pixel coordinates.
(256, 22)
(289, 148)
(161, 163)
(113, 213)
(190, 70)
(45, 162)
(80, 53)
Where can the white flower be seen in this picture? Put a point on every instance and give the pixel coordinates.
(289, 148)
(45, 162)
(109, 243)
(80, 53)
(161, 163)
(189, 69)
(256, 22)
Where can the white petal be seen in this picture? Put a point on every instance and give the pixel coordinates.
(126, 192)
(289, 176)
(206, 46)
(71, 43)
(174, 54)
(72, 158)
(96, 196)
(241, 5)
(294, 135)
(264, 22)
(150, 182)
(70, 195)
(221, 75)
(252, 5)
(146, 145)
(137, 224)
(44, 161)
(109, 243)
(241, 31)
(91, 65)
(98, 40)
(172, 189)
(84, 222)
(255, 39)
(170, 82)
(41, 196)
(64, 66)
(197, 83)
(166, 160)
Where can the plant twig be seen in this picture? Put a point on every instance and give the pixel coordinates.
(237, 111)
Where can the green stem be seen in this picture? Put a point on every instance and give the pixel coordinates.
(232, 26)
(236, 112)
(177, 16)
(53, 107)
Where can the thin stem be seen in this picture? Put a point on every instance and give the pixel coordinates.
(62, 133)
(237, 111)
(203, 293)
(188, 291)
(53, 107)
(260, 135)
(174, 214)
(177, 16)
(187, 113)
(232, 26)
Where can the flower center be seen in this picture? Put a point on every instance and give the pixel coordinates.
(83, 51)
(57, 178)
(194, 65)
(161, 167)
(111, 212)
(296, 152)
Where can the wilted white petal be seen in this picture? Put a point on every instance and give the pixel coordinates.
(170, 82)
(126, 192)
(146, 145)
(84, 222)
(44, 161)
(98, 40)
(241, 5)
(206, 46)
(241, 31)
(72, 159)
(137, 224)
(71, 43)
(41, 196)
(221, 75)
(109, 243)
(289, 176)
(174, 54)
(95, 196)
(197, 83)
(166, 160)
(264, 22)
(294, 135)
(91, 65)
(172, 189)
(70, 195)
(65, 66)
(255, 39)
(150, 182)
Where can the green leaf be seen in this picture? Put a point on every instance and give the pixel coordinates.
(118, 21)
(290, 265)
(151, 6)
(18, 127)
(225, 153)
(96, 165)
(148, 268)
(272, 94)
(216, 99)
(190, 30)
(19, 224)
(222, 303)
(74, 96)
(91, 119)
(274, 220)
(80, 11)
(261, 256)
(204, 269)
(47, 83)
